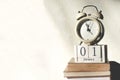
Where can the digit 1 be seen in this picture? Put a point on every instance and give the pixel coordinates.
(94, 51)
(82, 51)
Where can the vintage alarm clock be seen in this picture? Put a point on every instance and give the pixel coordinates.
(89, 27)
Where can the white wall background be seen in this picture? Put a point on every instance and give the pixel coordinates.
(37, 37)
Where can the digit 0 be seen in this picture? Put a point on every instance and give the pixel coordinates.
(83, 51)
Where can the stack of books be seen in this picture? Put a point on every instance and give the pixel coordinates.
(87, 71)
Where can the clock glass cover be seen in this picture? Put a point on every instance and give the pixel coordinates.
(89, 30)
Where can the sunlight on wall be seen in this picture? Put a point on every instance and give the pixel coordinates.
(31, 48)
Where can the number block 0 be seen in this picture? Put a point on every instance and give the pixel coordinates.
(91, 53)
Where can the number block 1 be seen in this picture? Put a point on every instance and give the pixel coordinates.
(91, 53)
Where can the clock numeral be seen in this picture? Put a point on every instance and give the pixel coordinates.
(83, 51)
(94, 51)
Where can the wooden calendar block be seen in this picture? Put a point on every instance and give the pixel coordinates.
(91, 53)
(81, 52)
(94, 53)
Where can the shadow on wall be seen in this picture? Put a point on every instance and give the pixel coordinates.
(115, 70)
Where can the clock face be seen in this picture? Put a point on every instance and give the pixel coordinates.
(89, 30)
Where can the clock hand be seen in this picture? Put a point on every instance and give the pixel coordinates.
(91, 24)
(91, 32)
(88, 29)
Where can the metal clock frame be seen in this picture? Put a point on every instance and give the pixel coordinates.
(98, 37)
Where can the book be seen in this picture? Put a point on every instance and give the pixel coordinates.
(86, 74)
(91, 78)
(86, 67)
